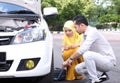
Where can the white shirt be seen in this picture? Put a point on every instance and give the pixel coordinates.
(95, 41)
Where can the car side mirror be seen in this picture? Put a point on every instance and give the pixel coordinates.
(50, 11)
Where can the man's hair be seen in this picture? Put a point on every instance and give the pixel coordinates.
(80, 19)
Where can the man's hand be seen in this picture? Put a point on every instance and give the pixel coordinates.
(66, 63)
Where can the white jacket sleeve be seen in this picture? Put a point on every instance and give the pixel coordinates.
(89, 38)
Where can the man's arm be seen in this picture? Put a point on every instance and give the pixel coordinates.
(75, 55)
(69, 61)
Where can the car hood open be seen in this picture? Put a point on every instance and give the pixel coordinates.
(33, 5)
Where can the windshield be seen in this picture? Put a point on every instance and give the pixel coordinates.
(7, 8)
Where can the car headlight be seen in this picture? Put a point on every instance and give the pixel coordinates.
(30, 35)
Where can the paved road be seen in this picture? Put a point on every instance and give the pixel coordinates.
(113, 38)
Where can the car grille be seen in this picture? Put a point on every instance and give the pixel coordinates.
(6, 67)
(5, 40)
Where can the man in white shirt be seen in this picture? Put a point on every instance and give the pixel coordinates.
(96, 50)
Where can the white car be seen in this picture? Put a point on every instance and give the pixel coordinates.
(26, 43)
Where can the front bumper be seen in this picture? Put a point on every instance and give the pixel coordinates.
(16, 56)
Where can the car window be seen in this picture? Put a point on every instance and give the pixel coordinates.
(7, 8)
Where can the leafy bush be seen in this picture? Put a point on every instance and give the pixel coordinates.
(99, 26)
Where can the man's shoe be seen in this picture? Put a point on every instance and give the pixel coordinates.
(104, 77)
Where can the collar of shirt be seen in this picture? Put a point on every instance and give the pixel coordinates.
(85, 33)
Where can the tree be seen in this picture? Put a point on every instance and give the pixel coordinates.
(95, 14)
(67, 10)
(117, 5)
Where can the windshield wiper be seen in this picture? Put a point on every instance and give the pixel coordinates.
(20, 12)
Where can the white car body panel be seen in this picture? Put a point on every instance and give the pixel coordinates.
(42, 49)
(42, 68)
